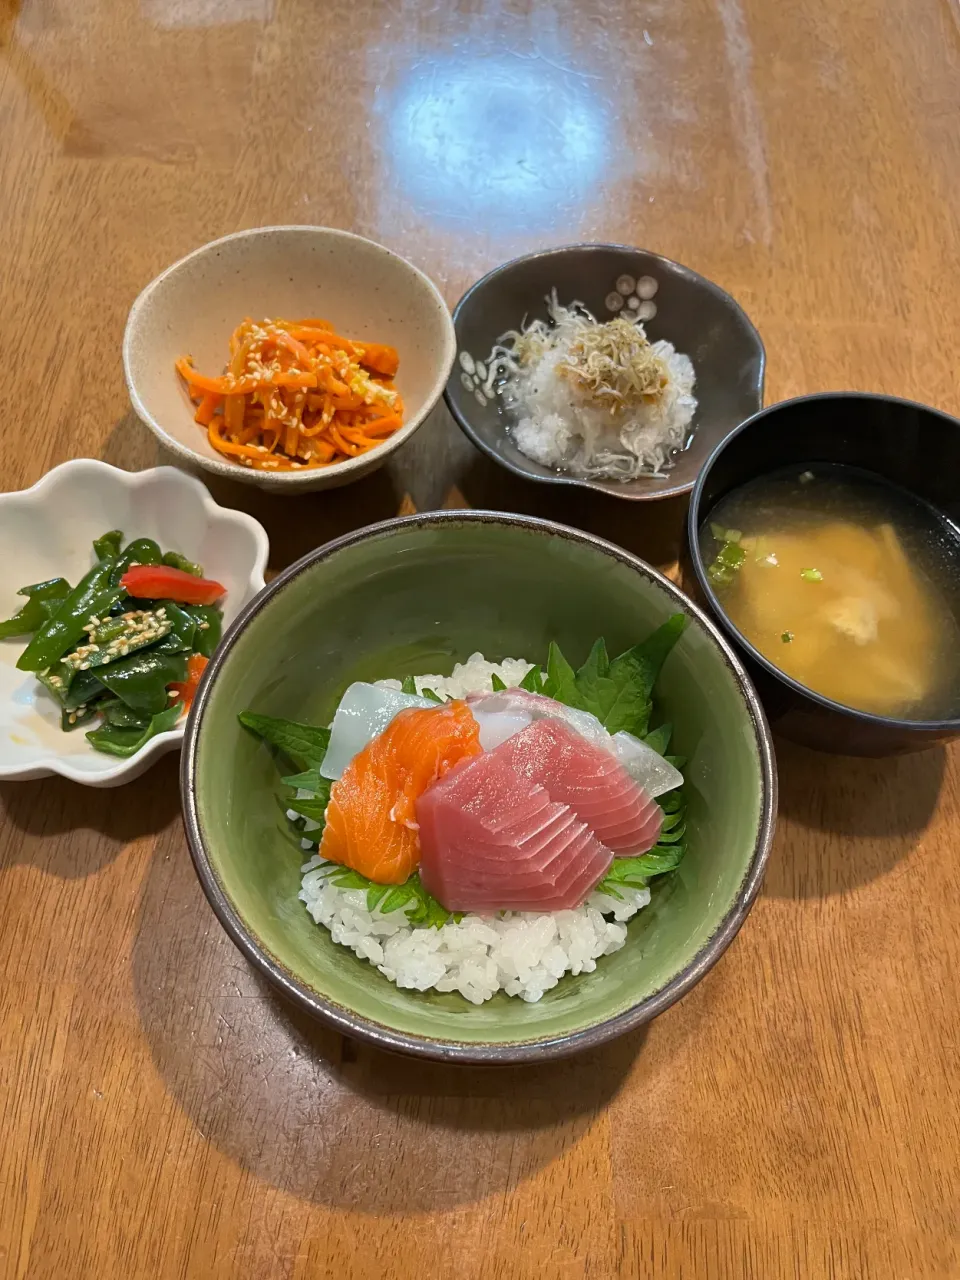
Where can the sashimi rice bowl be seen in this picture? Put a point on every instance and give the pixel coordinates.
(481, 834)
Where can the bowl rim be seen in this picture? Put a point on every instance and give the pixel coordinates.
(671, 267)
(868, 718)
(286, 479)
(48, 764)
(345, 1020)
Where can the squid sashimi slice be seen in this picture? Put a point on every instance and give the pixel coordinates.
(590, 781)
(371, 818)
(365, 710)
(493, 840)
(501, 715)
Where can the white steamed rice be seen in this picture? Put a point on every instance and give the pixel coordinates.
(522, 953)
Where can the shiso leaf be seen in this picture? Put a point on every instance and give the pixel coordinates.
(312, 807)
(659, 739)
(434, 697)
(497, 683)
(618, 693)
(408, 685)
(310, 780)
(561, 681)
(304, 744)
(666, 855)
(422, 910)
(533, 681)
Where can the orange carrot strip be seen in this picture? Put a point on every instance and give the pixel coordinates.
(381, 359)
(207, 408)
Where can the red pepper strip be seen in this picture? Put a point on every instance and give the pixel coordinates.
(161, 582)
(188, 688)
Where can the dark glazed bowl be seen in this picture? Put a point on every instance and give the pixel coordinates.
(412, 596)
(691, 312)
(909, 444)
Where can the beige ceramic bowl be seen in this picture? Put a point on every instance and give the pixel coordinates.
(364, 289)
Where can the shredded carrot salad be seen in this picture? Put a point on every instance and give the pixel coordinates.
(296, 395)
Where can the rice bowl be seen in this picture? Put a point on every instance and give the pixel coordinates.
(521, 953)
(411, 595)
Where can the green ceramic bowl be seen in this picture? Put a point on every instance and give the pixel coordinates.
(413, 596)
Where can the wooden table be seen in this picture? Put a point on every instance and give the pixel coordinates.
(162, 1115)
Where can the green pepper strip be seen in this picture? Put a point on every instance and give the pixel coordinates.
(35, 612)
(93, 596)
(126, 742)
(140, 551)
(176, 561)
(207, 637)
(141, 680)
(183, 628)
(108, 544)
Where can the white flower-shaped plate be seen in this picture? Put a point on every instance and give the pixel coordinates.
(47, 532)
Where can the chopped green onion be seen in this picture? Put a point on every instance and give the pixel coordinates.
(732, 555)
(787, 637)
(811, 575)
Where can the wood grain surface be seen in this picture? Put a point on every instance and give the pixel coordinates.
(162, 1115)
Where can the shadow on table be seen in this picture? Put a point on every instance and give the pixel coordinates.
(437, 467)
(857, 818)
(72, 831)
(332, 1121)
(651, 530)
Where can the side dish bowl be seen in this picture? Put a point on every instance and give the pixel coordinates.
(47, 532)
(693, 313)
(414, 595)
(364, 289)
(910, 445)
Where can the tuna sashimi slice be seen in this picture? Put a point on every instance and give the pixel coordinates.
(588, 779)
(492, 839)
(501, 715)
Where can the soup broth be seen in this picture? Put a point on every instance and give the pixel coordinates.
(846, 583)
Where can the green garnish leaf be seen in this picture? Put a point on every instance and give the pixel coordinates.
(309, 780)
(312, 807)
(618, 693)
(811, 575)
(429, 693)
(422, 910)
(375, 895)
(561, 681)
(497, 683)
(666, 855)
(659, 739)
(304, 744)
(533, 681)
(409, 685)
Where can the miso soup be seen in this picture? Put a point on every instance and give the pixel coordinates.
(848, 584)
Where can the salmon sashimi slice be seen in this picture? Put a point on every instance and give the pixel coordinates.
(492, 839)
(591, 781)
(371, 823)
